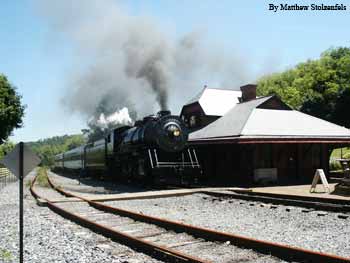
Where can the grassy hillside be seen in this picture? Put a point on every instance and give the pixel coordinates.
(48, 148)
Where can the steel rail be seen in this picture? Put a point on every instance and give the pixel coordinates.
(325, 200)
(149, 248)
(285, 200)
(282, 251)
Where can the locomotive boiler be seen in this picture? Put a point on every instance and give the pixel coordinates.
(164, 131)
(153, 151)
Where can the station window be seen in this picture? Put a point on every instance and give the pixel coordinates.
(192, 121)
(186, 120)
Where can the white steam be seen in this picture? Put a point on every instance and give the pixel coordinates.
(124, 61)
(116, 119)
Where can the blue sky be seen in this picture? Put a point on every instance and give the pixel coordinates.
(269, 42)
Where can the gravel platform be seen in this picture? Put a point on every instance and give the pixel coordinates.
(315, 230)
(50, 238)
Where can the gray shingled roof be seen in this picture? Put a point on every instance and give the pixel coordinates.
(232, 123)
(246, 120)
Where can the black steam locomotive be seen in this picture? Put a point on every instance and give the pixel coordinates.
(153, 151)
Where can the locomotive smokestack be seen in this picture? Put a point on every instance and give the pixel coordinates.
(163, 113)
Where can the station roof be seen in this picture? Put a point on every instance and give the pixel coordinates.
(252, 122)
(216, 102)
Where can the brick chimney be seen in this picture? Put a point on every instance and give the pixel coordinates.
(248, 92)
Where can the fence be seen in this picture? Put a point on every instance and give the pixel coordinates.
(6, 177)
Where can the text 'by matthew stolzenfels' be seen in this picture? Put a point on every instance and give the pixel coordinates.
(307, 7)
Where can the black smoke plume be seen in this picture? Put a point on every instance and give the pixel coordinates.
(121, 60)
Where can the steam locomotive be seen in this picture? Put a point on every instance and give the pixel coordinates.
(153, 151)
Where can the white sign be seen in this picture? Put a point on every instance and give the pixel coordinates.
(30, 160)
(320, 175)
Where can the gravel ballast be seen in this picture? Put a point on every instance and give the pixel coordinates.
(92, 185)
(49, 237)
(316, 230)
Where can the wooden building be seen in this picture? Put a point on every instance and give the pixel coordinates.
(262, 140)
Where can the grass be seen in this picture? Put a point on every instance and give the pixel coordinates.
(28, 183)
(5, 254)
(41, 179)
(335, 166)
(337, 154)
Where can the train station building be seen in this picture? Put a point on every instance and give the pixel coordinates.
(259, 140)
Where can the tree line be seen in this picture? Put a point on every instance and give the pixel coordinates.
(319, 87)
(46, 149)
(11, 117)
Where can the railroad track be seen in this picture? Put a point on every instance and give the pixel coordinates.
(165, 239)
(324, 204)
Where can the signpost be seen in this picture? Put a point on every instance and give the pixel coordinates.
(20, 161)
(319, 174)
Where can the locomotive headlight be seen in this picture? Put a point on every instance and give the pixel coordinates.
(176, 133)
(173, 131)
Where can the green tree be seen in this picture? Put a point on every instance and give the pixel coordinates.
(5, 148)
(11, 109)
(318, 87)
(73, 142)
(47, 155)
(48, 148)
